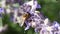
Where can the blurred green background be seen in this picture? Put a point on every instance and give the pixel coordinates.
(51, 9)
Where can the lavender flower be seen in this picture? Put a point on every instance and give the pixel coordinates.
(33, 5)
(43, 31)
(38, 6)
(28, 26)
(56, 24)
(35, 19)
(38, 28)
(26, 8)
(1, 10)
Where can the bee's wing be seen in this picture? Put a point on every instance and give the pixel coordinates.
(21, 20)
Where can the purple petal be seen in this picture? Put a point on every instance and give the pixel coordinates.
(1, 10)
(35, 0)
(38, 6)
(36, 30)
(56, 24)
(28, 26)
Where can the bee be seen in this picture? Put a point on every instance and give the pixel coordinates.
(22, 19)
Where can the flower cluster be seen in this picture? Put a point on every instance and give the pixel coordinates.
(37, 20)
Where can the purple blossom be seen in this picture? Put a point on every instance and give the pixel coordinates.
(20, 2)
(1, 10)
(41, 15)
(37, 29)
(35, 0)
(26, 8)
(35, 19)
(38, 6)
(56, 24)
(27, 25)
